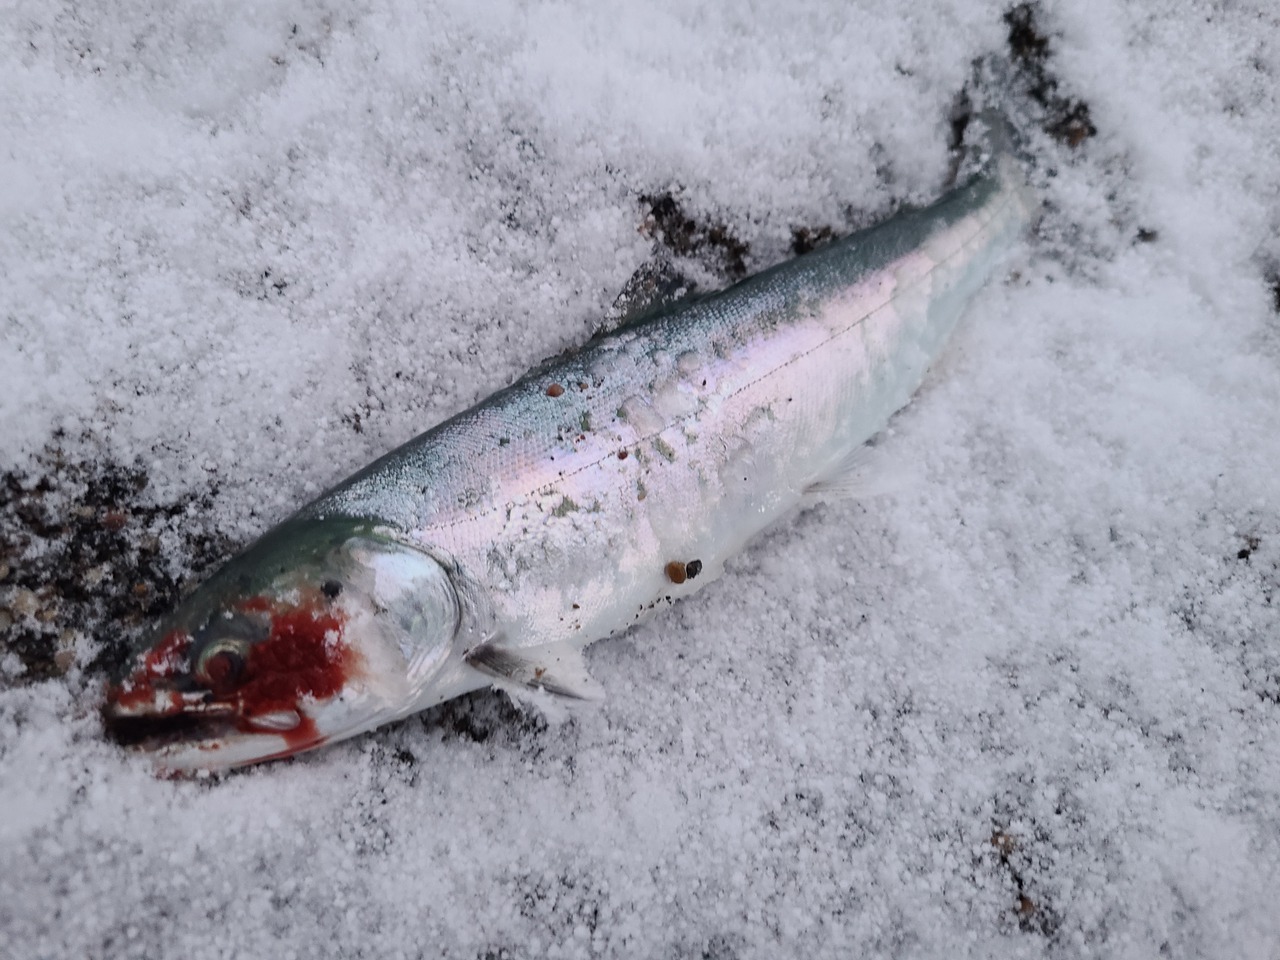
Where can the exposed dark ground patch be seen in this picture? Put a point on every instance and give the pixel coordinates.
(485, 717)
(1016, 856)
(86, 551)
(710, 243)
(566, 905)
(806, 239)
(1064, 117)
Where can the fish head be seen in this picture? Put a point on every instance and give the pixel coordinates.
(321, 630)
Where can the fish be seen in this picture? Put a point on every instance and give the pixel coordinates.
(599, 488)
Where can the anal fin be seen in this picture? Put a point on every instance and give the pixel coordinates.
(854, 475)
(558, 668)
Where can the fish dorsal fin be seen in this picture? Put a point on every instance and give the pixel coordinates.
(654, 288)
(558, 668)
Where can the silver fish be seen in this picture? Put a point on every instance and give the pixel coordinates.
(492, 549)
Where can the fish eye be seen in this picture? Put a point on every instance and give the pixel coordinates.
(331, 589)
(222, 661)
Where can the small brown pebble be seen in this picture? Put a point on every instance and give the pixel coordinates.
(555, 390)
(65, 658)
(676, 571)
(576, 607)
(622, 454)
(4, 571)
(114, 520)
(141, 589)
(583, 386)
(1003, 843)
(24, 603)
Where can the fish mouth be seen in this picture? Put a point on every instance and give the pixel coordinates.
(188, 729)
(168, 714)
(189, 718)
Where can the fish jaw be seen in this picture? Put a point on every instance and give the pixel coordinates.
(321, 631)
(295, 679)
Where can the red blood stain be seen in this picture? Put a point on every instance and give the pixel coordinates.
(303, 657)
(160, 662)
(302, 737)
(137, 694)
(165, 657)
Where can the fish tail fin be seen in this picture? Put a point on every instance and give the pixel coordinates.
(992, 145)
(987, 128)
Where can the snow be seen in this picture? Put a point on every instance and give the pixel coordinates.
(1029, 703)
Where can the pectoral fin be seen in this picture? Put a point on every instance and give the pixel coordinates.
(557, 668)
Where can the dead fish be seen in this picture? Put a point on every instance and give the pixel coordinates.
(493, 548)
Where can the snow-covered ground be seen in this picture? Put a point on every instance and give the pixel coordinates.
(1027, 704)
